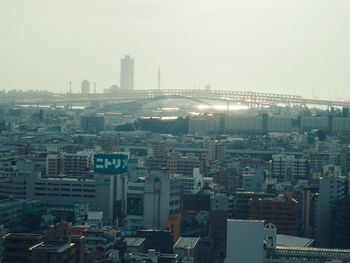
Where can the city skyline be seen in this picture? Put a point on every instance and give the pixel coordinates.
(277, 46)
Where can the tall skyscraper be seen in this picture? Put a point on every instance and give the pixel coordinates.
(85, 87)
(127, 73)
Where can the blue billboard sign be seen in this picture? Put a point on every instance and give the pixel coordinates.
(114, 163)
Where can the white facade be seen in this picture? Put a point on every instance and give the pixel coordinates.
(127, 73)
(85, 87)
(101, 193)
(191, 185)
(152, 201)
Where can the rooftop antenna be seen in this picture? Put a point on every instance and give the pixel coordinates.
(95, 87)
(159, 78)
(70, 87)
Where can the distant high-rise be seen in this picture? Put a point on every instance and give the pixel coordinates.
(127, 73)
(85, 87)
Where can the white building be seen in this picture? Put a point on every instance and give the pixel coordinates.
(127, 73)
(102, 192)
(85, 87)
(191, 184)
(150, 201)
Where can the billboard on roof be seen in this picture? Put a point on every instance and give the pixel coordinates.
(111, 163)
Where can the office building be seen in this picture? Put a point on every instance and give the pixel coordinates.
(11, 212)
(340, 224)
(333, 187)
(251, 241)
(288, 168)
(103, 192)
(77, 164)
(203, 125)
(216, 150)
(191, 184)
(127, 74)
(252, 181)
(175, 165)
(241, 202)
(157, 149)
(85, 87)
(282, 212)
(92, 123)
(151, 201)
(245, 241)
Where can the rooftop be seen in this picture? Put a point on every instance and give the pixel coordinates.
(293, 241)
(56, 247)
(186, 242)
(134, 241)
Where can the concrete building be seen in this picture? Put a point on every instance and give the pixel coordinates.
(78, 164)
(310, 123)
(103, 192)
(282, 212)
(151, 201)
(245, 241)
(176, 165)
(191, 184)
(127, 73)
(203, 125)
(219, 213)
(216, 151)
(16, 247)
(157, 149)
(241, 202)
(187, 248)
(279, 124)
(252, 181)
(244, 124)
(250, 241)
(152, 256)
(92, 123)
(340, 224)
(99, 242)
(135, 244)
(85, 87)
(288, 168)
(333, 187)
(11, 212)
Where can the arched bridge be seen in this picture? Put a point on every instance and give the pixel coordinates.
(245, 97)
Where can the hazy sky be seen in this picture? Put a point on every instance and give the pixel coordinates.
(282, 46)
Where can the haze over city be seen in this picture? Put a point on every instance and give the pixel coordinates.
(294, 47)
